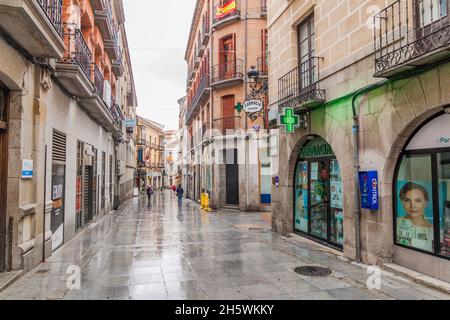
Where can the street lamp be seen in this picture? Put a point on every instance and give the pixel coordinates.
(255, 97)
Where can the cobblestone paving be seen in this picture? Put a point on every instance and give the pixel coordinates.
(159, 251)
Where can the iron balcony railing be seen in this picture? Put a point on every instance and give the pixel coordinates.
(301, 85)
(53, 11)
(77, 50)
(206, 29)
(409, 29)
(264, 6)
(218, 16)
(263, 66)
(204, 85)
(99, 81)
(227, 71)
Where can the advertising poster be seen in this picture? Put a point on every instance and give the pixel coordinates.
(415, 214)
(57, 218)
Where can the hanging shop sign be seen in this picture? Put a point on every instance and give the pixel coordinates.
(368, 182)
(130, 123)
(289, 120)
(27, 169)
(253, 106)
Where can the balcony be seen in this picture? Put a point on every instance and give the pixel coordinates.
(104, 20)
(227, 74)
(201, 95)
(300, 87)
(117, 116)
(74, 71)
(223, 17)
(112, 47)
(206, 32)
(117, 66)
(35, 25)
(201, 51)
(410, 34)
(227, 125)
(263, 7)
(142, 142)
(263, 66)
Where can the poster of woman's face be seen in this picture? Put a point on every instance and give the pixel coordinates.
(414, 202)
(415, 215)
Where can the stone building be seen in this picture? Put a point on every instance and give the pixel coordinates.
(369, 83)
(66, 86)
(149, 154)
(171, 155)
(183, 142)
(226, 39)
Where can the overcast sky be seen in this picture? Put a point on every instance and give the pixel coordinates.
(157, 32)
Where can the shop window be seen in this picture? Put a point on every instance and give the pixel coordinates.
(414, 203)
(422, 190)
(319, 205)
(444, 202)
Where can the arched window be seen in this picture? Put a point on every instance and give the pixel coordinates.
(422, 190)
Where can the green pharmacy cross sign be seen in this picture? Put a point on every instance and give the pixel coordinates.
(290, 120)
(239, 107)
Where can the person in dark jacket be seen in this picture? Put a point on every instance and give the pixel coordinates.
(180, 193)
(149, 192)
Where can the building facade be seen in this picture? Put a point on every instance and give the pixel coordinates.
(149, 154)
(183, 143)
(171, 157)
(226, 39)
(369, 83)
(66, 86)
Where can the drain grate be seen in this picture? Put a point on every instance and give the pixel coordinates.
(313, 271)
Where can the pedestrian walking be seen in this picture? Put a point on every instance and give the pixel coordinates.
(149, 192)
(180, 193)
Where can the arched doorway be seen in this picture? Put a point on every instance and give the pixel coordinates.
(422, 190)
(4, 104)
(318, 194)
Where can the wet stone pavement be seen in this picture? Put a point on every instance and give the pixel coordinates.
(159, 251)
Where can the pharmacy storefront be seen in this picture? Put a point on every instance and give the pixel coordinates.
(422, 190)
(318, 198)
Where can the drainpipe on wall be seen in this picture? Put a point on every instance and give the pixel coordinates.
(356, 165)
(247, 138)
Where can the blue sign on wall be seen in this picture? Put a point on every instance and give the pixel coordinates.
(368, 183)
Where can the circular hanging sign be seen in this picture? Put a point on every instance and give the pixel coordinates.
(252, 106)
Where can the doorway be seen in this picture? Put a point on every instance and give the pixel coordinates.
(4, 98)
(232, 177)
(318, 208)
(88, 194)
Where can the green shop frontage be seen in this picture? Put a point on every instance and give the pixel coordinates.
(403, 134)
(318, 198)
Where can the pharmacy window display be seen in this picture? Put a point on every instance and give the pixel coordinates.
(422, 190)
(319, 194)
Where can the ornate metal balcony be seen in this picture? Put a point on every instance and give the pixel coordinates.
(226, 74)
(201, 94)
(206, 30)
(410, 33)
(74, 70)
(35, 25)
(300, 88)
(53, 10)
(263, 7)
(225, 18)
(99, 81)
(104, 20)
(263, 66)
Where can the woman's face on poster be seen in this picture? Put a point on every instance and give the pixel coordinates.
(415, 203)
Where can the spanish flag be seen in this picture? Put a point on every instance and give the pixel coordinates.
(226, 9)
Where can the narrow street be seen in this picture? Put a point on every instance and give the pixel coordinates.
(157, 251)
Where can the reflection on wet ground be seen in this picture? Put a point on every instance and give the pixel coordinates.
(160, 251)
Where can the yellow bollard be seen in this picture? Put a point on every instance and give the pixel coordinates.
(204, 201)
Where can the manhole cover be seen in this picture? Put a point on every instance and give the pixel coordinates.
(311, 271)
